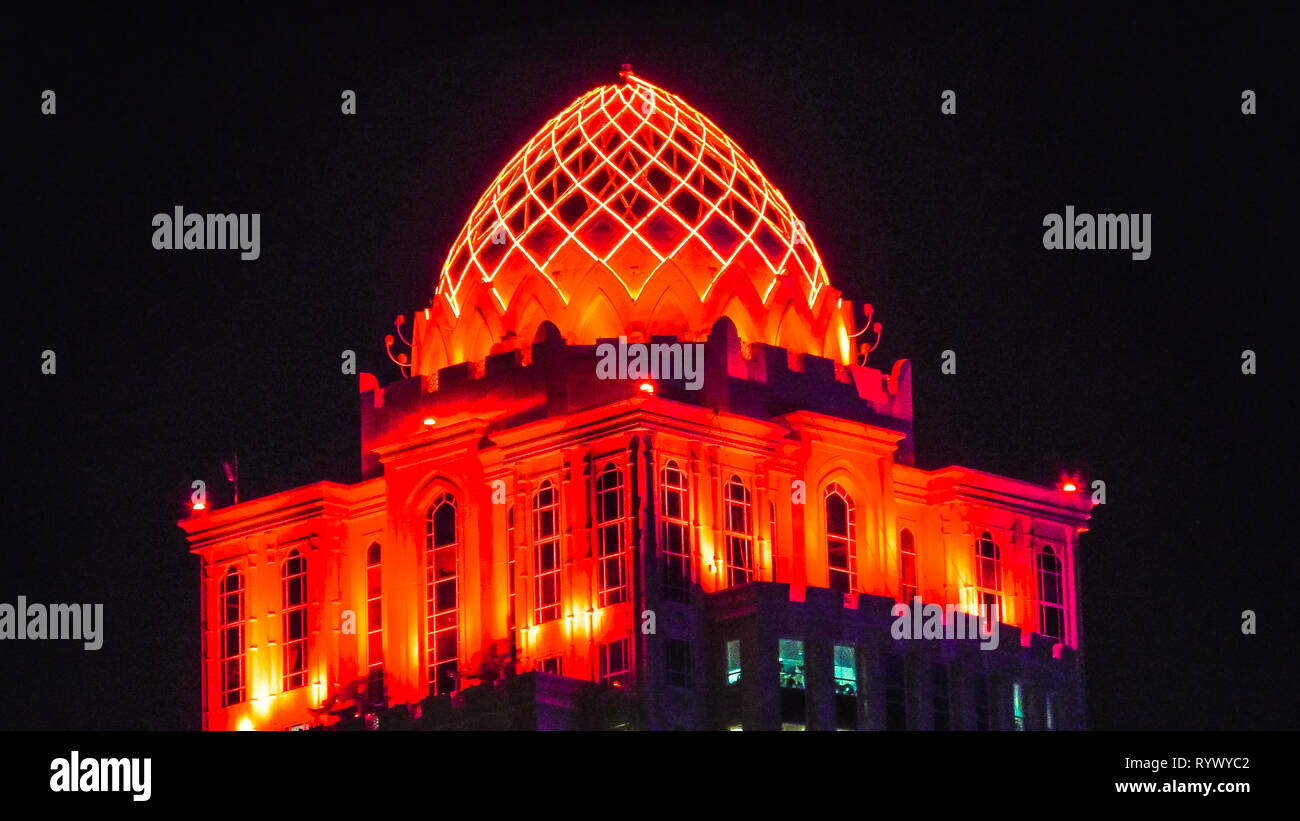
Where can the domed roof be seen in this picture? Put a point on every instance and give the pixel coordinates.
(630, 213)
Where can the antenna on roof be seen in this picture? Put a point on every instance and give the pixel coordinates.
(232, 474)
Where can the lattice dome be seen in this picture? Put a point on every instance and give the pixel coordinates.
(630, 213)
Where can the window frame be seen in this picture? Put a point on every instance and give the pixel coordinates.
(837, 542)
(610, 563)
(293, 620)
(909, 583)
(608, 675)
(737, 543)
(440, 622)
(374, 619)
(678, 565)
(546, 609)
(227, 661)
(1046, 551)
(989, 594)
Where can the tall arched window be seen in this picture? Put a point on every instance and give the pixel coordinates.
(988, 577)
(375, 621)
(442, 581)
(841, 547)
(611, 536)
(546, 553)
(510, 573)
(675, 516)
(738, 522)
(294, 607)
(907, 565)
(1051, 602)
(232, 638)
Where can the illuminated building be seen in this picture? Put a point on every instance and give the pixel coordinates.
(531, 545)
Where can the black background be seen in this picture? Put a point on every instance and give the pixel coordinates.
(1122, 370)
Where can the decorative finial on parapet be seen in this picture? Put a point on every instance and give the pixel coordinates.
(867, 347)
(401, 360)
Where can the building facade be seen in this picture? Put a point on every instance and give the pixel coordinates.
(637, 474)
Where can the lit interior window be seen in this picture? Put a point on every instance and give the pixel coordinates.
(1017, 700)
(791, 657)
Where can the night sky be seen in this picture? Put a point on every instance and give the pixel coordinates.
(1126, 371)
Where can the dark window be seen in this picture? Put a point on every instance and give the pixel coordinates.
(614, 667)
(679, 663)
(553, 665)
(895, 693)
(940, 686)
(981, 702)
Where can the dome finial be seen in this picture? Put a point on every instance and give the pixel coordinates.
(625, 70)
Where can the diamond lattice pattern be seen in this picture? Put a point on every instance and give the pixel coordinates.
(631, 168)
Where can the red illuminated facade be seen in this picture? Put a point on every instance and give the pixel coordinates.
(534, 546)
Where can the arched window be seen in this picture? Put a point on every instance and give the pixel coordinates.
(442, 581)
(546, 553)
(675, 516)
(988, 577)
(841, 547)
(907, 565)
(738, 522)
(375, 621)
(1051, 602)
(294, 608)
(232, 638)
(611, 536)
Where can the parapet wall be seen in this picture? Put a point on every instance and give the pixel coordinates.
(550, 378)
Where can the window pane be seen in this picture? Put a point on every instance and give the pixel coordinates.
(846, 671)
(792, 669)
(733, 661)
